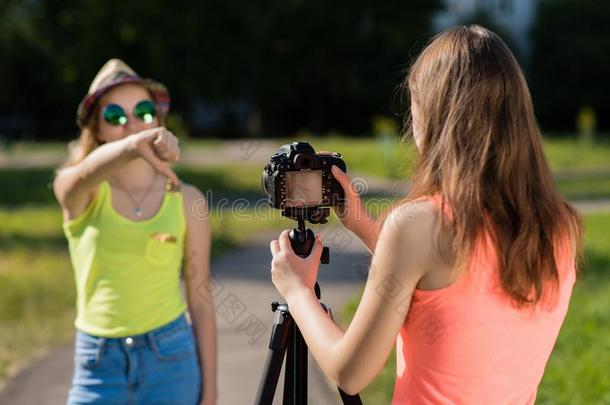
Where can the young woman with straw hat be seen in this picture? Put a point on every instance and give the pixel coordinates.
(132, 227)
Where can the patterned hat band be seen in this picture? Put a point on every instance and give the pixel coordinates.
(114, 73)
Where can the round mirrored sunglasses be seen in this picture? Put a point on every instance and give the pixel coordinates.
(145, 111)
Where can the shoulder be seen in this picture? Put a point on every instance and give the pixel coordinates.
(190, 192)
(412, 217)
(198, 227)
(72, 199)
(410, 231)
(195, 203)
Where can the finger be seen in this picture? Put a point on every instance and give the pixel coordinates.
(169, 133)
(316, 251)
(147, 136)
(162, 152)
(284, 240)
(342, 178)
(159, 145)
(170, 152)
(161, 139)
(275, 247)
(160, 166)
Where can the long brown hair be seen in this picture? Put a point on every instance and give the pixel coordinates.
(481, 150)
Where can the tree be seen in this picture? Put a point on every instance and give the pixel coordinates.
(571, 61)
(302, 63)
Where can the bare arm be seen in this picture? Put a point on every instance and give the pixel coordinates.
(73, 185)
(199, 297)
(368, 231)
(354, 214)
(352, 359)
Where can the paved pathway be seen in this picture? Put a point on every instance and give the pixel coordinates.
(243, 293)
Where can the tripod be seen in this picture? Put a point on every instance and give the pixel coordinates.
(286, 338)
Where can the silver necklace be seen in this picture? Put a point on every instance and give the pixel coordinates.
(138, 210)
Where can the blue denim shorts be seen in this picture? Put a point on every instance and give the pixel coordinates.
(158, 367)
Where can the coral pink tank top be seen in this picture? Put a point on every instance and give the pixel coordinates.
(467, 344)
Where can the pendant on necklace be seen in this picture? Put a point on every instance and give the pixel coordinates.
(138, 212)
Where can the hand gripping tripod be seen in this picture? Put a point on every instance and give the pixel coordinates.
(286, 338)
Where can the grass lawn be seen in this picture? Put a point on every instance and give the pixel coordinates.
(37, 296)
(393, 158)
(577, 371)
(589, 188)
(389, 156)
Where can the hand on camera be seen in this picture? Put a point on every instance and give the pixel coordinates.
(291, 273)
(157, 146)
(353, 212)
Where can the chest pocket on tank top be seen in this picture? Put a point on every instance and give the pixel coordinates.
(161, 248)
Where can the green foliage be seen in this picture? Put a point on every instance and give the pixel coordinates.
(569, 154)
(177, 126)
(570, 39)
(380, 157)
(583, 169)
(313, 64)
(592, 188)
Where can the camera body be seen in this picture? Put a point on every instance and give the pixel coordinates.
(299, 179)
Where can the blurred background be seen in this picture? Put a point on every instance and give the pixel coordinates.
(246, 77)
(273, 68)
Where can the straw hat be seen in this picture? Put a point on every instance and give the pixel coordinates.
(113, 73)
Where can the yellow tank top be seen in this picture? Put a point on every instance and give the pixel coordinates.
(127, 272)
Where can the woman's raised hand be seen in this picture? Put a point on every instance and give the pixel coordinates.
(157, 146)
(353, 213)
(166, 146)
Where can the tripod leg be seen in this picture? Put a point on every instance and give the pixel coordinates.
(282, 328)
(301, 366)
(289, 382)
(349, 399)
(295, 378)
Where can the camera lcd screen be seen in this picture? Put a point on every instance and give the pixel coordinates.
(303, 188)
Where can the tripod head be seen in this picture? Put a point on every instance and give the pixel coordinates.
(315, 215)
(302, 240)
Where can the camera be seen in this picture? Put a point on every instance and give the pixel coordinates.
(299, 181)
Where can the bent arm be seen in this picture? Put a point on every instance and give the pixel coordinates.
(368, 231)
(73, 185)
(352, 359)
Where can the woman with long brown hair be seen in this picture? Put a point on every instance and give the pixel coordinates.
(472, 273)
